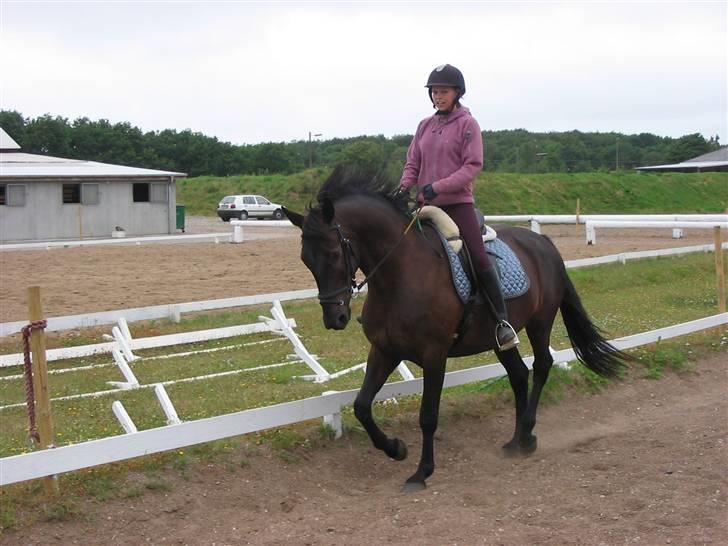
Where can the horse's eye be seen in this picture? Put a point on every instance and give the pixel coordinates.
(333, 255)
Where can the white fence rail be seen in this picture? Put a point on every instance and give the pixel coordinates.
(676, 226)
(201, 237)
(148, 342)
(537, 219)
(49, 462)
(174, 311)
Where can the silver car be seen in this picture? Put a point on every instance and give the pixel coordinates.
(243, 207)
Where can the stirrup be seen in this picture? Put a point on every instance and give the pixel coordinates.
(510, 344)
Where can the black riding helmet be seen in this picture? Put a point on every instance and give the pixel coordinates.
(447, 75)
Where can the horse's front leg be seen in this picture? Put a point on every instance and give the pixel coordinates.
(434, 376)
(379, 368)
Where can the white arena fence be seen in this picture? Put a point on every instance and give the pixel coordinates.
(174, 311)
(676, 226)
(49, 462)
(537, 219)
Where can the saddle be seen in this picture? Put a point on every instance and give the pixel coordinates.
(513, 279)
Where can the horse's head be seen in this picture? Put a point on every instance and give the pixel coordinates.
(327, 252)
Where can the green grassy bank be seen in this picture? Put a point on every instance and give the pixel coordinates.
(501, 193)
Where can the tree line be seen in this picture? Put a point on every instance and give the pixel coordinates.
(196, 154)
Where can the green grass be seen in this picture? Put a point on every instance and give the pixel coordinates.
(501, 193)
(622, 299)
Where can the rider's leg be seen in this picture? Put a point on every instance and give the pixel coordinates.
(464, 216)
(504, 333)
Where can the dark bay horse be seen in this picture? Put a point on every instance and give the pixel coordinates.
(412, 311)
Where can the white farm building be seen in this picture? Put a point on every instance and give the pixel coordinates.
(48, 198)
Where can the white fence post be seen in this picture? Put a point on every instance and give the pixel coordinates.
(333, 420)
(131, 380)
(591, 234)
(123, 417)
(237, 231)
(404, 371)
(123, 344)
(321, 373)
(166, 403)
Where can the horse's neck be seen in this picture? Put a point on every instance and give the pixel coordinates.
(377, 231)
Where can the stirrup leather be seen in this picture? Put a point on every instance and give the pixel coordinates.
(512, 343)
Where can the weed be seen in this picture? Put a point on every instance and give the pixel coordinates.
(155, 483)
(60, 510)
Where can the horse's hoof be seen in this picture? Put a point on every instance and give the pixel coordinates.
(400, 450)
(511, 449)
(413, 487)
(530, 446)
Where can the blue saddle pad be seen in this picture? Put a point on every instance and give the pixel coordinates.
(513, 278)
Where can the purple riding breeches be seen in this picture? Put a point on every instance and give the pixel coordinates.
(464, 216)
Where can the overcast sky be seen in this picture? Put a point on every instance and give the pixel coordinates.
(249, 72)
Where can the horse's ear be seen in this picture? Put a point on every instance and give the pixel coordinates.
(327, 207)
(296, 219)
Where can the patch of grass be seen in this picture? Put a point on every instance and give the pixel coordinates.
(661, 357)
(60, 510)
(156, 483)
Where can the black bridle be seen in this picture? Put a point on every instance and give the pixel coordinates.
(348, 253)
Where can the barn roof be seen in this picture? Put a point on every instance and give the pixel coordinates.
(29, 166)
(713, 161)
(16, 164)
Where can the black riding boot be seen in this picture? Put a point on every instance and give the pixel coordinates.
(505, 335)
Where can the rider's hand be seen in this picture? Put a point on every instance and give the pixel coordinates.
(428, 192)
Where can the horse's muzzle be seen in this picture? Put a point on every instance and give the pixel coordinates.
(336, 317)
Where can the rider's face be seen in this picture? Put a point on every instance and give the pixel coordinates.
(444, 97)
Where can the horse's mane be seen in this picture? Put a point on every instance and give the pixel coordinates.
(349, 180)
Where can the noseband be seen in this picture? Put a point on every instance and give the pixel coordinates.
(348, 254)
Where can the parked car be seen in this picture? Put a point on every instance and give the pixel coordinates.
(243, 207)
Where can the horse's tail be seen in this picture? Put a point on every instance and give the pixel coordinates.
(595, 352)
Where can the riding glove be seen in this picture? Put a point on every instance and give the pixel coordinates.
(428, 192)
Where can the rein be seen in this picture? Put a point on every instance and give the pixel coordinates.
(351, 271)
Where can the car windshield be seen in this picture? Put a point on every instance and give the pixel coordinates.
(228, 199)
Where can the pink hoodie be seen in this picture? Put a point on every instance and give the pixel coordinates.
(447, 152)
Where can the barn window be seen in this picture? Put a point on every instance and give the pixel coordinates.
(12, 195)
(140, 192)
(90, 194)
(71, 193)
(159, 192)
(144, 192)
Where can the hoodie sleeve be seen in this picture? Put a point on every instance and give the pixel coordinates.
(411, 171)
(471, 160)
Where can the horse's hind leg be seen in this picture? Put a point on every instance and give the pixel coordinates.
(518, 377)
(379, 367)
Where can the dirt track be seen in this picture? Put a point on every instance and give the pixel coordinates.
(643, 463)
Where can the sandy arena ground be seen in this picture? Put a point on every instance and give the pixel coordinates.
(101, 278)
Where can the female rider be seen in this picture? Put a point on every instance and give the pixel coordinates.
(443, 160)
